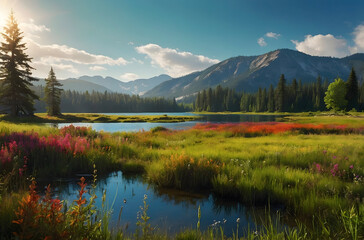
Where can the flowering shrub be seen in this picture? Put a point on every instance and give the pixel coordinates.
(29, 151)
(337, 166)
(66, 143)
(45, 218)
(265, 128)
(77, 131)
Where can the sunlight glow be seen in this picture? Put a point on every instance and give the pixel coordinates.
(2, 19)
(4, 13)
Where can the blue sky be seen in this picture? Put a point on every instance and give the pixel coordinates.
(129, 39)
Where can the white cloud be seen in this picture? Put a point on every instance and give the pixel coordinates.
(32, 27)
(137, 60)
(175, 63)
(262, 42)
(98, 68)
(42, 68)
(129, 77)
(273, 35)
(130, 43)
(323, 45)
(63, 52)
(358, 39)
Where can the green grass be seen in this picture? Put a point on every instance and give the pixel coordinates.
(94, 118)
(350, 120)
(326, 201)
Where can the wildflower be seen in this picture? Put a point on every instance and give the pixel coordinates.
(318, 167)
(334, 171)
(324, 151)
(238, 220)
(351, 166)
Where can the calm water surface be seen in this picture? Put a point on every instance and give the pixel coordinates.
(169, 211)
(135, 127)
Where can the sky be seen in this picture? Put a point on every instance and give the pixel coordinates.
(132, 39)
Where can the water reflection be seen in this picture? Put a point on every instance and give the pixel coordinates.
(203, 118)
(169, 210)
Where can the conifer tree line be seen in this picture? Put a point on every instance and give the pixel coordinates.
(285, 97)
(107, 102)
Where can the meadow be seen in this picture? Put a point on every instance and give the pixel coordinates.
(314, 168)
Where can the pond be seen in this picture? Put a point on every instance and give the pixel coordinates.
(169, 210)
(138, 126)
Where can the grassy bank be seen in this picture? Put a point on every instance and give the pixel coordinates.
(355, 119)
(94, 118)
(315, 170)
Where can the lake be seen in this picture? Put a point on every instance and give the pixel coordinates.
(138, 126)
(169, 210)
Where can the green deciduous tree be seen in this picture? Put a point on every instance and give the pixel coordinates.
(53, 94)
(335, 95)
(15, 72)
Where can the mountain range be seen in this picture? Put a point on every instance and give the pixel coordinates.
(244, 73)
(109, 84)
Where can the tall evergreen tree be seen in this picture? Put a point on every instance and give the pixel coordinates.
(294, 95)
(15, 72)
(53, 94)
(264, 100)
(229, 101)
(281, 95)
(318, 95)
(209, 100)
(259, 100)
(219, 96)
(352, 91)
(203, 100)
(198, 101)
(271, 106)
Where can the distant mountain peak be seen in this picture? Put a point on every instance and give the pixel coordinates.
(248, 73)
(110, 84)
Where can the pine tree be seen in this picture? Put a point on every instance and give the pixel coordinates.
(264, 100)
(209, 100)
(318, 95)
(281, 95)
(352, 91)
(15, 72)
(53, 94)
(203, 100)
(198, 101)
(243, 105)
(294, 93)
(271, 106)
(230, 100)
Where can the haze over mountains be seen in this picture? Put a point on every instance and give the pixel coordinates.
(250, 73)
(101, 84)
